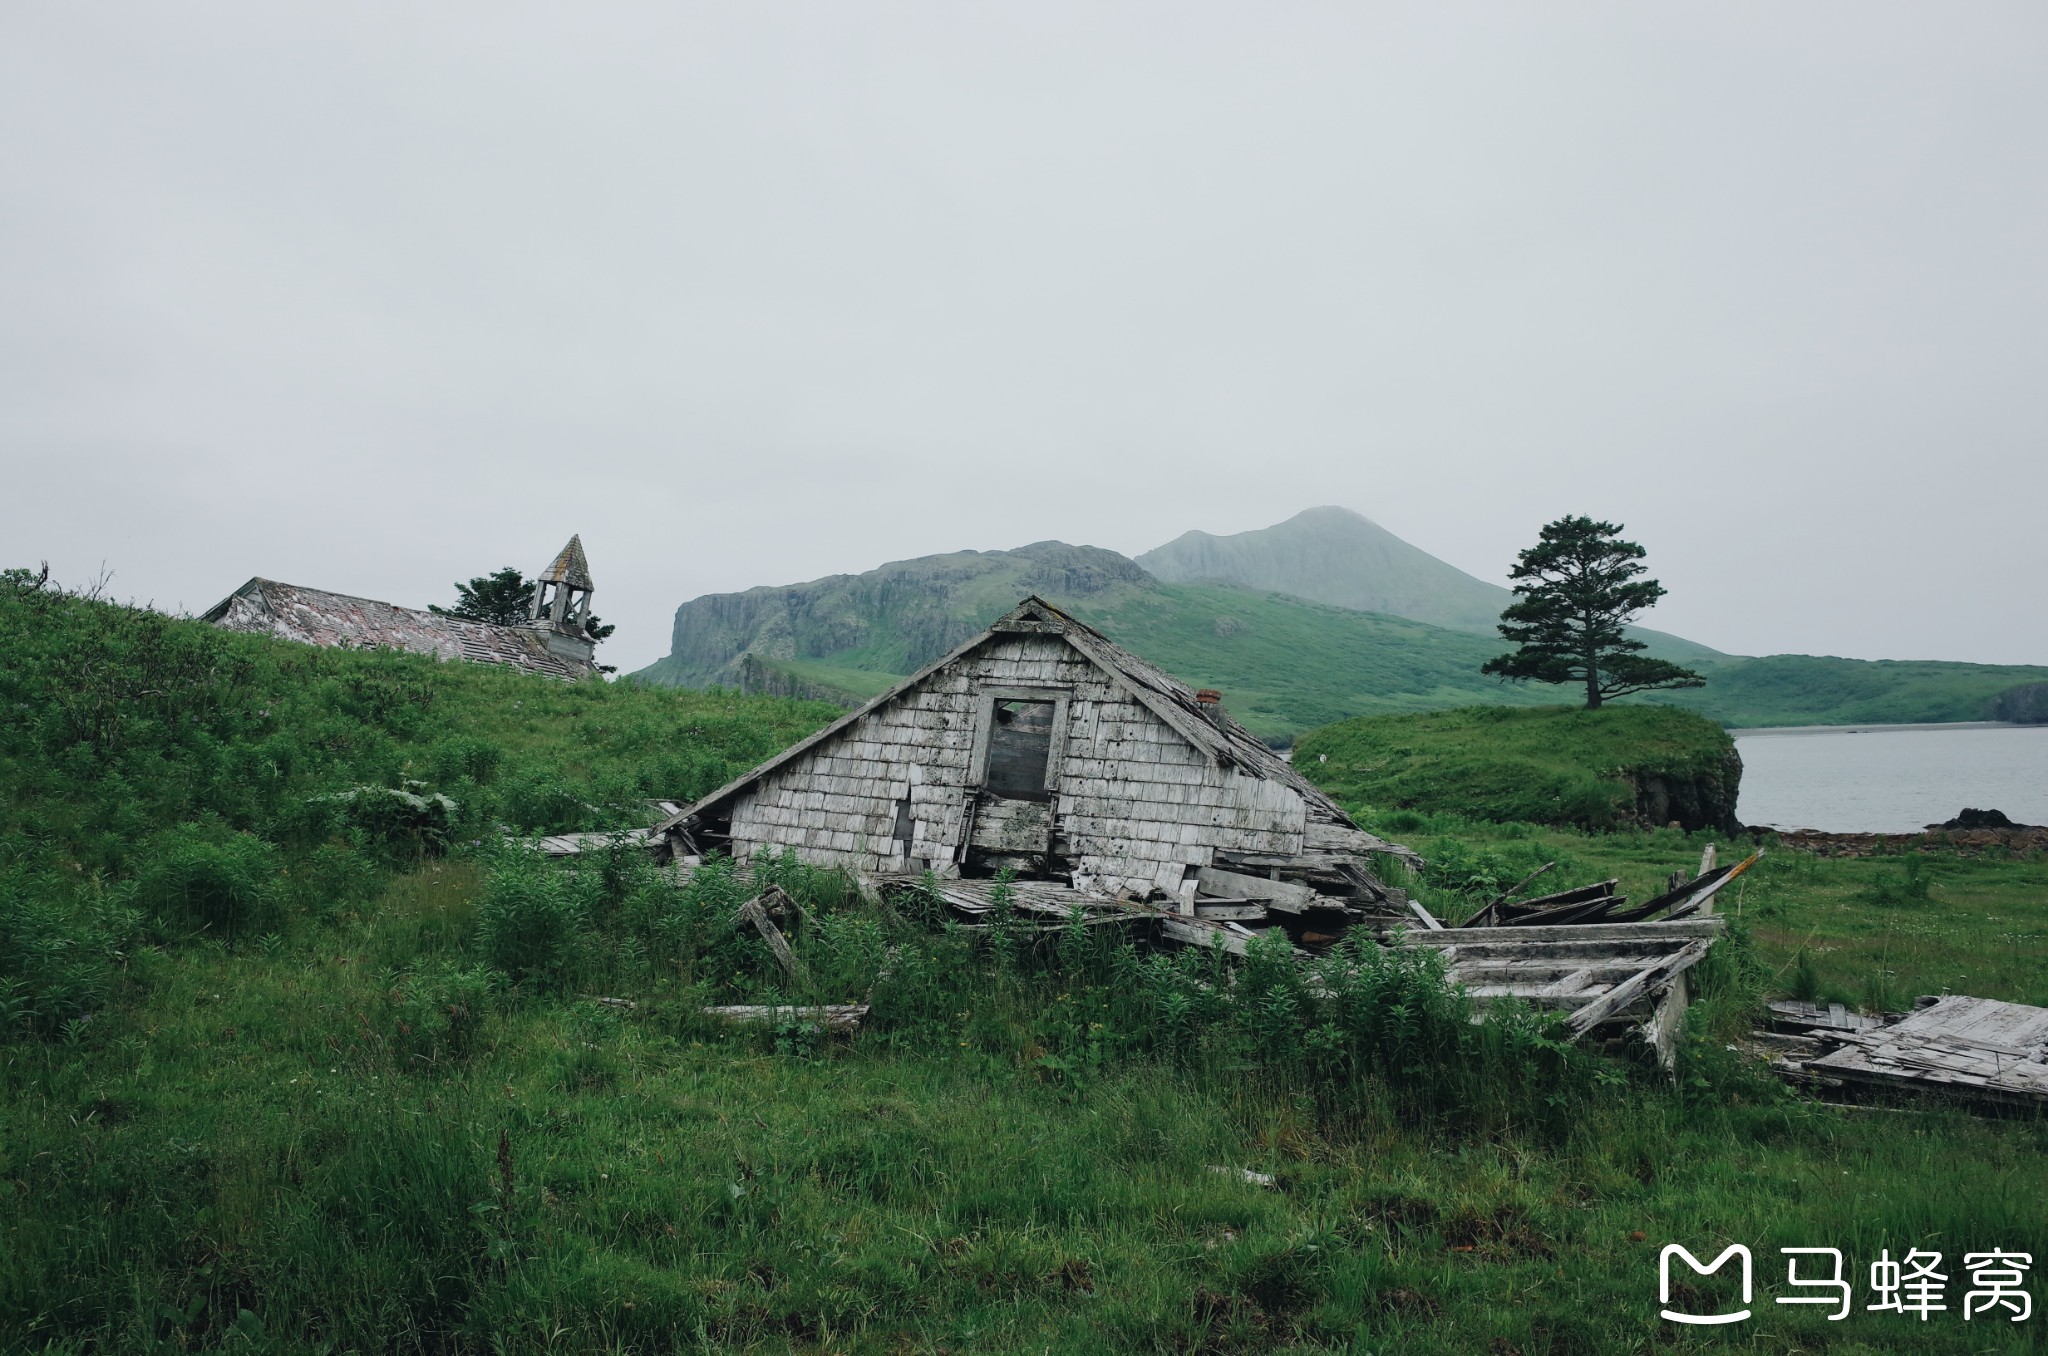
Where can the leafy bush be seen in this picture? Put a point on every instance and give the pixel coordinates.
(200, 877)
(1909, 885)
(434, 1016)
(530, 919)
(59, 954)
(405, 822)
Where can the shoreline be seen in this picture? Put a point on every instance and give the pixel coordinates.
(1763, 730)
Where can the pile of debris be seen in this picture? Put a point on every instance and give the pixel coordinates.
(1986, 1053)
(1599, 903)
(1618, 983)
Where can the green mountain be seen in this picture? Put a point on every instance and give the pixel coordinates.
(1284, 662)
(1333, 555)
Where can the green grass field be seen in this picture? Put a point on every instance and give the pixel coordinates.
(283, 1073)
(1553, 764)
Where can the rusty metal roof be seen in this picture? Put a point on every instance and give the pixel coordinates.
(266, 607)
(570, 567)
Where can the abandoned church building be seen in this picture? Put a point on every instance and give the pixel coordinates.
(554, 641)
(1041, 746)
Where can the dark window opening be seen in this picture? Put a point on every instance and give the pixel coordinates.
(906, 827)
(1019, 748)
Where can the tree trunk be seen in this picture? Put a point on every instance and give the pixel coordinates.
(1592, 683)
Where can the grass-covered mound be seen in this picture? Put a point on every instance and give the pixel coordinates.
(1546, 765)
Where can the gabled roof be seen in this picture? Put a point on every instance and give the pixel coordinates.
(1219, 737)
(570, 567)
(317, 617)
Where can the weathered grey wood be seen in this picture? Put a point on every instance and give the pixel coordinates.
(1229, 910)
(831, 1016)
(1279, 894)
(1978, 1046)
(1587, 932)
(1621, 995)
(1429, 920)
(1487, 911)
(1698, 900)
(1660, 1033)
(755, 912)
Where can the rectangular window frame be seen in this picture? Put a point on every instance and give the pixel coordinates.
(985, 722)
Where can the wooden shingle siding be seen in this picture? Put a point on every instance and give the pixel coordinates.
(1136, 801)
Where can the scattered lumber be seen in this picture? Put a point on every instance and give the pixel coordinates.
(1980, 1050)
(1599, 902)
(1486, 911)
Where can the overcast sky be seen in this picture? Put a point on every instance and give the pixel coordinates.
(372, 297)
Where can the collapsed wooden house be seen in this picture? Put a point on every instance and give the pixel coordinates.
(1112, 791)
(1042, 747)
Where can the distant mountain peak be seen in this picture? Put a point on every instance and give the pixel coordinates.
(1330, 554)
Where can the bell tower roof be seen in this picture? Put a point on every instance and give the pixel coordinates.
(569, 567)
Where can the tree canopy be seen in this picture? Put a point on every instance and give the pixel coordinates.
(504, 598)
(1577, 591)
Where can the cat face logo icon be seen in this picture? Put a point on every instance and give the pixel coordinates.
(1664, 1282)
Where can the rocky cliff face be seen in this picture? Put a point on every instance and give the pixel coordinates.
(1699, 799)
(895, 619)
(2026, 704)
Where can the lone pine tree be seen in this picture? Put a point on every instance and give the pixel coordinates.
(1577, 592)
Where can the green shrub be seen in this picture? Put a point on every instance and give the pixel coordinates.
(405, 823)
(529, 920)
(334, 876)
(202, 878)
(59, 953)
(434, 1016)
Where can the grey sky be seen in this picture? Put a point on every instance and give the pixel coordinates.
(372, 297)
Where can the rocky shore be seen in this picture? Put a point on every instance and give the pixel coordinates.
(1971, 832)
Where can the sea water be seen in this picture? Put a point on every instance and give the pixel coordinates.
(1890, 778)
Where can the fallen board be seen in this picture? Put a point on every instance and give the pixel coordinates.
(1594, 972)
(1978, 1047)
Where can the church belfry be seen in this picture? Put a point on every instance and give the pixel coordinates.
(561, 596)
(560, 610)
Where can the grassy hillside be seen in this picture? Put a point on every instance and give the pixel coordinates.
(1342, 558)
(280, 1072)
(1798, 689)
(1284, 663)
(1550, 765)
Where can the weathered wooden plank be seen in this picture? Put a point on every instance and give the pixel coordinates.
(1229, 910)
(1279, 894)
(1621, 995)
(755, 912)
(831, 1016)
(1686, 929)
